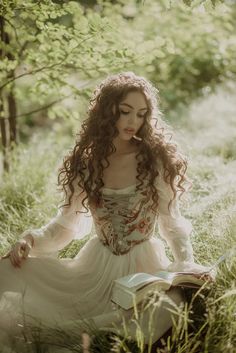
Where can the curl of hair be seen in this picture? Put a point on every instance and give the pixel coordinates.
(84, 165)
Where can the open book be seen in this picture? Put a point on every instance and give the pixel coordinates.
(133, 288)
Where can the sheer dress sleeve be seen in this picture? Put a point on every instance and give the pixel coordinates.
(175, 229)
(63, 228)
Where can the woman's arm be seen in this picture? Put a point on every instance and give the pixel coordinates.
(175, 229)
(62, 229)
(54, 236)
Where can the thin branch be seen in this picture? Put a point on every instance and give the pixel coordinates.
(27, 8)
(14, 28)
(45, 67)
(24, 46)
(28, 73)
(39, 109)
(45, 106)
(130, 61)
(53, 102)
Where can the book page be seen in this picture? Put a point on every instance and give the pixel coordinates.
(169, 276)
(132, 280)
(137, 280)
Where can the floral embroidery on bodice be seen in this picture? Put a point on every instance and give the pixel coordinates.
(124, 218)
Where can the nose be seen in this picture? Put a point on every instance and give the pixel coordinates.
(133, 117)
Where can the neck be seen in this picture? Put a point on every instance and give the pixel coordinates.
(122, 146)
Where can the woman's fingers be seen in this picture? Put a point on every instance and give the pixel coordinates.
(15, 259)
(18, 253)
(21, 253)
(11, 257)
(26, 251)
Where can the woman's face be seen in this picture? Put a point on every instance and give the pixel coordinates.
(132, 115)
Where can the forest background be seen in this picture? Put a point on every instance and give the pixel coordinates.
(52, 55)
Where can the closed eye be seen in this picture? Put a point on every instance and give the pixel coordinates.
(126, 113)
(122, 112)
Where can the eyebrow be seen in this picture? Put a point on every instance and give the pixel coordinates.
(130, 106)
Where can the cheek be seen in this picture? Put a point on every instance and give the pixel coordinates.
(141, 123)
(120, 123)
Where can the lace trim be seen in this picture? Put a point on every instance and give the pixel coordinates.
(125, 190)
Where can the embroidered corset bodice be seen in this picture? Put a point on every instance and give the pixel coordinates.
(123, 220)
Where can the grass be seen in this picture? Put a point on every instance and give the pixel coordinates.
(206, 132)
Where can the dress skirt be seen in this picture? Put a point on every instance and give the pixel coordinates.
(68, 292)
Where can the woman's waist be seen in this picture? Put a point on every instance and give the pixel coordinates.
(122, 246)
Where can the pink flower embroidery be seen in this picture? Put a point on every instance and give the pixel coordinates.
(142, 225)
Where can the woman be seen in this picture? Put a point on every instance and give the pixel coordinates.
(126, 174)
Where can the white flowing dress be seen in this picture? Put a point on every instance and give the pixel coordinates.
(64, 292)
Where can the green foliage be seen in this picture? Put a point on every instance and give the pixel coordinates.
(61, 49)
(25, 196)
(35, 198)
(58, 51)
(185, 51)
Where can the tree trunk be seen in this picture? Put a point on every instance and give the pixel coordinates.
(8, 130)
(3, 121)
(12, 119)
(4, 135)
(11, 102)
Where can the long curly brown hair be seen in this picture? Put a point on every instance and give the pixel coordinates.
(84, 165)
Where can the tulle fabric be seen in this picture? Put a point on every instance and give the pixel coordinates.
(68, 292)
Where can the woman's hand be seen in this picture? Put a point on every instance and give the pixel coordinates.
(20, 250)
(201, 271)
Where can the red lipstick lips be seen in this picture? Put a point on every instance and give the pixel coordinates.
(129, 131)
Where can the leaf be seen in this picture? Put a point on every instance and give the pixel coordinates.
(73, 7)
(187, 2)
(209, 5)
(73, 43)
(95, 22)
(40, 24)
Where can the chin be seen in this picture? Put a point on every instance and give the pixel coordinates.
(126, 138)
